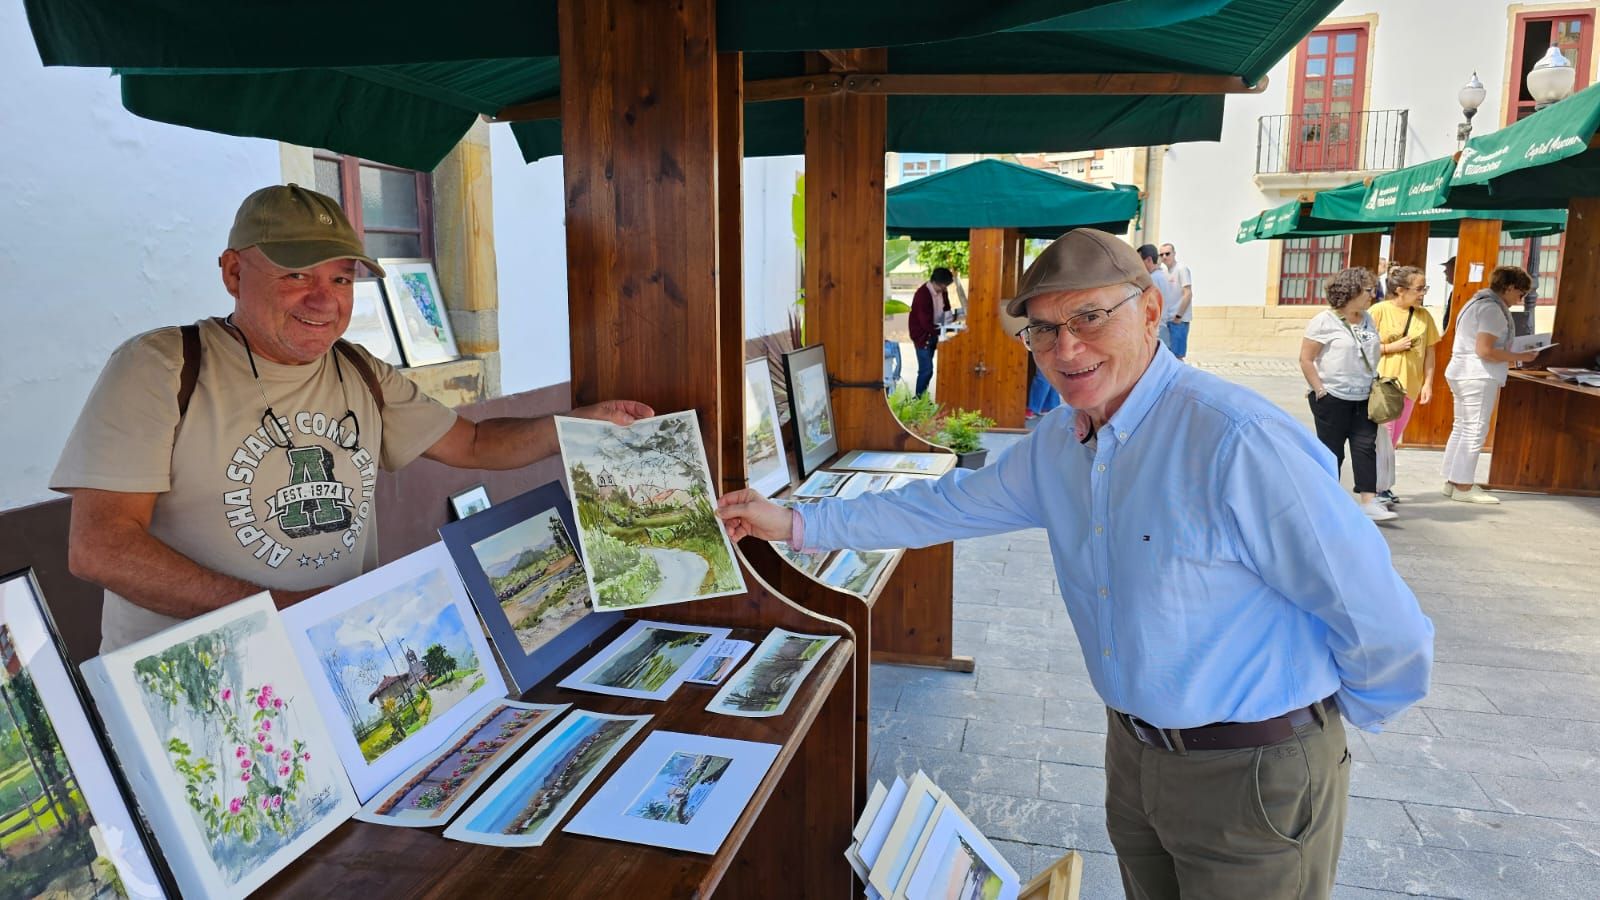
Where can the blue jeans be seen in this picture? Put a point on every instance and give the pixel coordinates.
(925, 367)
(1178, 338)
(1042, 397)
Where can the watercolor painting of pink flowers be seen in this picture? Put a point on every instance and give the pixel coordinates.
(237, 745)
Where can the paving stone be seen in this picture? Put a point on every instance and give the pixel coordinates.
(1571, 765)
(887, 679)
(1514, 730)
(1435, 871)
(1542, 797)
(1456, 696)
(1054, 637)
(1382, 820)
(1076, 715)
(1457, 755)
(1357, 741)
(973, 705)
(1034, 821)
(1350, 892)
(1385, 782)
(1019, 855)
(976, 772)
(1475, 676)
(1035, 742)
(1564, 696)
(1412, 721)
(932, 732)
(1072, 784)
(967, 637)
(1513, 835)
(1031, 683)
(1019, 616)
(1102, 880)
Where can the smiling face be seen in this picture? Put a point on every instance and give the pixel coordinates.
(1096, 375)
(289, 316)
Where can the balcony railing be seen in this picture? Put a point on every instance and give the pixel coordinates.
(1373, 139)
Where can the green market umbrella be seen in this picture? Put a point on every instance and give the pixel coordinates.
(1360, 205)
(994, 194)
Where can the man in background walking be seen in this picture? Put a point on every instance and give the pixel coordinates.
(929, 307)
(1170, 296)
(1178, 321)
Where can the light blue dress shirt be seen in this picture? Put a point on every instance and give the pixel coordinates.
(1212, 565)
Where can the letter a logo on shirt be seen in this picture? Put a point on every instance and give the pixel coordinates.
(313, 503)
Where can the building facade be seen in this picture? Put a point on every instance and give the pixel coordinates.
(1372, 89)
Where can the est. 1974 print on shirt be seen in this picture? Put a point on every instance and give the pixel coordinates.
(647, 518)
(681, 791)
(765, 685)
(213, 722)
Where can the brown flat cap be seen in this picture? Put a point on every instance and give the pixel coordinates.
(1082, 258)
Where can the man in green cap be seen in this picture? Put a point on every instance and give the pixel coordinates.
(213, 461)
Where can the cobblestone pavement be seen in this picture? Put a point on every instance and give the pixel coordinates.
(1488, 788)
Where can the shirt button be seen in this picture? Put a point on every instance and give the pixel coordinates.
(1103, 592)
(1122, 435)
(1102, 467)
(1098, 530)
(1108, 651)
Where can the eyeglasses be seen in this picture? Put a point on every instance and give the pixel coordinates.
(1087, 325)
(1419, 288)
(345, 436)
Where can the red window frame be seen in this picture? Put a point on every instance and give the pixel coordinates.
(1323, 257)
(1321, 140)
(1523, 57)
(350, 190)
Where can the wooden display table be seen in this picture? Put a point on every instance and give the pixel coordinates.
(1547, 436)
(787, 843)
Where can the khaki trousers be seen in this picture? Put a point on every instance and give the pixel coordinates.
(1264, 822)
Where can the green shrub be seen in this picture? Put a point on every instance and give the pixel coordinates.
(962, 430)
(917, 414)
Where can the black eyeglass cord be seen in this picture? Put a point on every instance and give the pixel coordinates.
(271, 414)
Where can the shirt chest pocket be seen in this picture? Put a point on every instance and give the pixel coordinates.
(1171, 551)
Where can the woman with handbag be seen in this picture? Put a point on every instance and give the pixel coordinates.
(1479, 360)
(1407, 334)
(1338, 357)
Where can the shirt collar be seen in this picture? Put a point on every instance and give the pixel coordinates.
(1163, 368)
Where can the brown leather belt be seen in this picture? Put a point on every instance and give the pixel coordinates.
(1228, 735)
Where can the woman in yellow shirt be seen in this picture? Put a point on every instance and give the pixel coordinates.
(1407, 332)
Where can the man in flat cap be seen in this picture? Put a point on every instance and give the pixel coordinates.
(239, 454)
(1202, 544)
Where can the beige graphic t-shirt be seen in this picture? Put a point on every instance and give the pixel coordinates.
(289, 518)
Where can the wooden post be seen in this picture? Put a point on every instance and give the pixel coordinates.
(984, 368)
(1577, 324)
(1409, 245)
(845, 141)
(730, 262)
(1478, 248)
(1364, 250)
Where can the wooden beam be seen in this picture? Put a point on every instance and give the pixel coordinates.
(1409, 244)
(1478, 246)
(838, 60)
(1577, 322)
(799, 87)
(730, 264)
(1364, 250)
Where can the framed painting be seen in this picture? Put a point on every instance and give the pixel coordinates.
(680, 791)
(958, 861)
(469, 502)
(213, 723)
(897, 852)
(431, 791)
(810, 405)
(396, 661)
(523, 571)
(647, 518)
(73, 831)
(906, 463)
(646, 662)
(371, 324)
(764, 686)
(766, 466)
(856, 571)
(420, 318)
(531, 799)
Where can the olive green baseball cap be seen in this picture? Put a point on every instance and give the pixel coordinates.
(296, 228)
(1081, 259)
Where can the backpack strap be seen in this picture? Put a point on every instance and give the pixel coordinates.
(189, 375)
(364, 369)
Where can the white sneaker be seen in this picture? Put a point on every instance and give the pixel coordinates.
(1377, 512)
(1474, 494)
(1448, 490)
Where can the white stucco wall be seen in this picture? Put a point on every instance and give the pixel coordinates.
(1417, 59)
(531, 264)
(111, 226)
(771, 260)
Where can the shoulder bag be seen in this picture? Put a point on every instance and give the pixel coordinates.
(1388, 398)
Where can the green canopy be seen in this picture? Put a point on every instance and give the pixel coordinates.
(1541, 161)
(1247, 229)
(410, 83)
(1359, 204)
(994, 194)
(1408, 191)
(1295, 220)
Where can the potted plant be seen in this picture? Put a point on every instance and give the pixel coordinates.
(962, 431)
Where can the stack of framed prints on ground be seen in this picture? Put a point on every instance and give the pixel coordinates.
(913, 843)
(412, 289)
(69, 830)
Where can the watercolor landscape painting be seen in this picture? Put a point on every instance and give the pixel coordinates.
(398, 661)
(677, 791)
(648, 661)
(766, 468)
(431, 792)
(646, 512)
(765, 685)
(526, 803)
(537, 578)
(233, 724)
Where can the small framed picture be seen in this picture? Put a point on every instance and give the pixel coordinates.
(474, 499)
(371, 325)
(766, 467)
(420, 317)
(807, 372)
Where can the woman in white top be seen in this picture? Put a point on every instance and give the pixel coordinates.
(1479, 359)
(1338, 357)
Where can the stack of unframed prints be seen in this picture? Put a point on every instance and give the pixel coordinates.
(913, 843)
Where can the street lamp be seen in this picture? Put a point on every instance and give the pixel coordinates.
(1470, 97)
(1551, 79)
